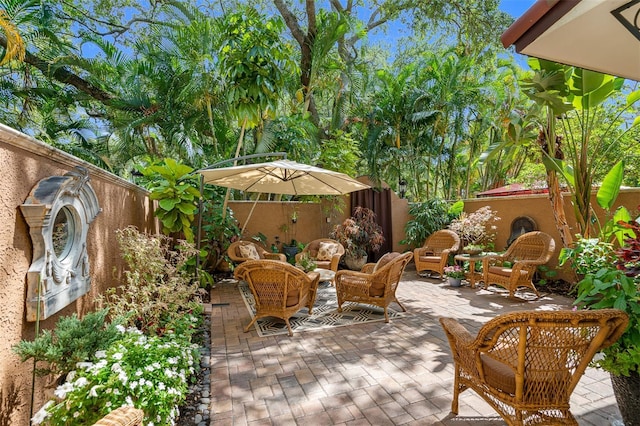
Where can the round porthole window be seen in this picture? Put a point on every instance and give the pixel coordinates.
(62, 233)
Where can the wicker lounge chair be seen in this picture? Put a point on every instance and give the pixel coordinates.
(324, 257)
(526, 364)
(279, 289)
(515, 268)
(235, 252)
(375, 284)
(123, 416)
(434, 254)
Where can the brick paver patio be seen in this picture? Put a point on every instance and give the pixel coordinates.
(399, 373)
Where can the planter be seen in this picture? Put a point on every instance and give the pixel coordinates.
(290, 252)
(454, 282)
(627, 392)
(355, 263)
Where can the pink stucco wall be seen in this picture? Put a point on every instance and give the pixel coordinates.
(25, 161)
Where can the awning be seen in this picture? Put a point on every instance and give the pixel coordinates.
(599, 35)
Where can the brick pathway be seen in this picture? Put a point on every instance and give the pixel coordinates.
(399, 373)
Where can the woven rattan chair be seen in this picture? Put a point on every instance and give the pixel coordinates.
(375, 284)
(515, 268)
(434, 253)
(236, 255)
(279, 289)
(313, 248)
(123, 416)
(526, 364)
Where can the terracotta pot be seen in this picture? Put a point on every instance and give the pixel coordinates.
(627, 392)
(355, 263)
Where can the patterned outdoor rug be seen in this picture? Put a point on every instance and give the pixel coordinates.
(325, 313)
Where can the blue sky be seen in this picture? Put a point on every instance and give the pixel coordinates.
(516, 8)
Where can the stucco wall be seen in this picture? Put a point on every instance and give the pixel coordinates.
(315, 220)
(25, 161)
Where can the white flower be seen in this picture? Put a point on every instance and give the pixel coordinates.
(81, 382)
(107, 404)
(120, 328)
(156, 365)
(172, 360)
(129, 401)
(70, 376)
(139, 373)
(84, 365)
(133, 385)
(42, 414)
(62, 390)
(161, 386)
(93, 392)
(76, 414)
(101, 354)
(117, 355)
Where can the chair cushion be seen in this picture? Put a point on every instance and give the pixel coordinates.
(505, 272)
(430, 259)
(248, 251)
(386, 258)
(326, 250)
(293, 296)
(498, 374)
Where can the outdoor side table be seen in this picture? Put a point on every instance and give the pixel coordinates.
(472, 276)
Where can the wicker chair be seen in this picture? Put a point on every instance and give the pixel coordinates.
(523, 256)
(313, 248)
(123, 416)
(375, 284)
(526, 364)
(279, 289)
(236, 255)
(434, 254)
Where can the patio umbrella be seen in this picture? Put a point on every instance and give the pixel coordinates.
(281, 177)
(599, 35)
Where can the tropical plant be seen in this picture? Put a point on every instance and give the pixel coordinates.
(359, 234)
(575, 100)
(426, 218)
(306, 262)
(175, 188)
(618, 286)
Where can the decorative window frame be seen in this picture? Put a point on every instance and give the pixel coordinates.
(58, 275)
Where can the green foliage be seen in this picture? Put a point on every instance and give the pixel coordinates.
(158, 289)
(617, 286)
(176, 191)
(150, 373)
(588, 255)
(427, 218)
(73, 340)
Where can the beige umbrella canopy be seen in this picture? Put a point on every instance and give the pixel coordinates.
(599, 35)
(282, 177)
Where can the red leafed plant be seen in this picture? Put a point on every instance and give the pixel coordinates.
(629, 255)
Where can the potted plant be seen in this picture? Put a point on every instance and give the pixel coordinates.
(455, 274)
(617, 285)
(306, 262)
(358, 234)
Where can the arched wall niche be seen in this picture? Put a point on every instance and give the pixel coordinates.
(58, 210)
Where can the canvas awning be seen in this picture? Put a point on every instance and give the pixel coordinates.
(599, 35)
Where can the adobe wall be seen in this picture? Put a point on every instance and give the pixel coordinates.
(25, 161)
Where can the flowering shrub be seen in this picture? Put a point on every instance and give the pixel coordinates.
(359, 233)
(150, 373)
(158, 289)
(454, 271)
(476, 228)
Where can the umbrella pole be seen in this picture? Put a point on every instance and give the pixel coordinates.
(250, 213)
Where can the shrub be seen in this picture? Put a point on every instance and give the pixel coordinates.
(477, 228)
(428, 217)
(158, 289)
(359, 233)
(73, 340)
